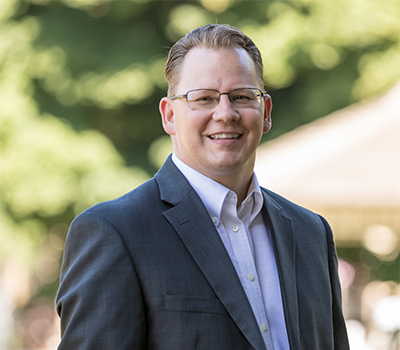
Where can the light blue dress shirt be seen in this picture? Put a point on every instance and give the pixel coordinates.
(249, 244)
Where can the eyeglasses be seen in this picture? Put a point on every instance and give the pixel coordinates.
(208, 98)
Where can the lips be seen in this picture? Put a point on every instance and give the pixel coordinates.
(224, 136)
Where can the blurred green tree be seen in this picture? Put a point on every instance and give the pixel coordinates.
(98, 63)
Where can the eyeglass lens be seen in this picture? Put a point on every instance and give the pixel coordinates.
(208, 99)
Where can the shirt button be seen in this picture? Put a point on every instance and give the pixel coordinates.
(263, 327)
(214, 219)
(250, 276)
(235, 228)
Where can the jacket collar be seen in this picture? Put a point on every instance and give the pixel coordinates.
(282, 231)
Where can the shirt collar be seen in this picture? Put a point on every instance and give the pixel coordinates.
(213, 194)
(253, 202)
(210, 192)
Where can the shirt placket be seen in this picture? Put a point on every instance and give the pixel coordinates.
(245, 265)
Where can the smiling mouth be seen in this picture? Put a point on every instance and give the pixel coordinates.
(224, 136)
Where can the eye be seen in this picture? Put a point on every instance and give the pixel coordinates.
(244, 96)
(203, 97)
(240, 98)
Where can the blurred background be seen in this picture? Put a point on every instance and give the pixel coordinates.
(80, 82)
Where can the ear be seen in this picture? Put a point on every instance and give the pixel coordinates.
(267, 113)
(167, 111)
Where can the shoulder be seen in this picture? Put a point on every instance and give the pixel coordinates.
(137, 203)
(138, 197)
(305, 222)
(141, 207)
(290, 208)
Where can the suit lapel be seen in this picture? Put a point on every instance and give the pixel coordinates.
(285, 252)
(191, 221)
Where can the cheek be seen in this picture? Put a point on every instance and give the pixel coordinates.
(189, 131)
(255, 124)
(193, 124)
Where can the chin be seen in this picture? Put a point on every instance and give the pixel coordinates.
(225, 165)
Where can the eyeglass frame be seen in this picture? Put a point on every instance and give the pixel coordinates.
(261, 95)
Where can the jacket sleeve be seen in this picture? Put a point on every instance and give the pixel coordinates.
(339, 326)
(99, 299)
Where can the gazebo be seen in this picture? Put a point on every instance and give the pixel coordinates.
(345, 166)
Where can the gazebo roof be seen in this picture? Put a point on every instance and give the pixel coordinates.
(350, 158)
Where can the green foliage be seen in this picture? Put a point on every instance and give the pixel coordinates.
(49, 171)
(80, 83)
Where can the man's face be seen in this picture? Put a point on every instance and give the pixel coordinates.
(222, 141)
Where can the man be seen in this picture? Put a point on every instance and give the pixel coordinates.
(201, 257)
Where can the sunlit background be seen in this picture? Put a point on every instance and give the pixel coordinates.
(80, 82)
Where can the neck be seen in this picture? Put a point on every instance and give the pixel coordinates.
(238, 184)
(237, 179)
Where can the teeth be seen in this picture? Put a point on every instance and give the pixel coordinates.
(224, 136)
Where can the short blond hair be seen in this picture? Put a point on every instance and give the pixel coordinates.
(209, 36)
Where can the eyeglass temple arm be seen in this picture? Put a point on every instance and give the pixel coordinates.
(178, 97)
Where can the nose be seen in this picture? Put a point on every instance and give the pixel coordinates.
(224, 111)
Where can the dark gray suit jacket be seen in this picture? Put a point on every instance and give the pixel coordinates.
(149, 271)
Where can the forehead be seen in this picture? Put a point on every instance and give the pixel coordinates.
(217, 69)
